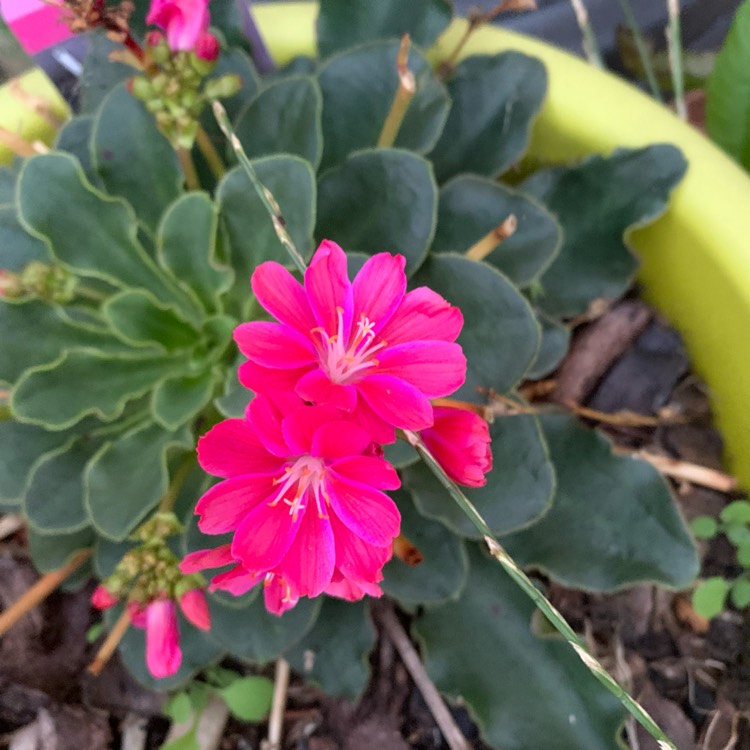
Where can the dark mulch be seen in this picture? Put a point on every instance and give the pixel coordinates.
(692, 675)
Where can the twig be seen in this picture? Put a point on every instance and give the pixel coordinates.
(590, 46)
(210, 154)
(188, 169)
(41, 590)
(480, 250)
(15, 143)
(674, 47)
(452, 734)
(407, 87)
(104, 654)
(36, 104)
(10, 524)
(640, 45)
(278, 706)
(134, 732)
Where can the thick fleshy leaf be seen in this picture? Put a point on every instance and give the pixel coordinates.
(358, 89)
(554, 346)
(235, 398)
(19, 247)
(258, 636)
(482, 648)
(494, 101)
(339, 665)
(54, 498)
(284, 118)
(394, 189)
(100, 74)
(117, 506)
(177, 400)
(106, 248)
(442, 573)
(186, 247)
(74, 137)
(137, 318)
(132, 158)
(629, 188)
(81, 382)
(471, 207)
(50, 552)
(342, 23)
(248, 232)
(7, 186)
(518, 491)
(612, 523)
(500, 336)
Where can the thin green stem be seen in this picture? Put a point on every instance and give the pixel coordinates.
(544, 605)
(210, 154)
(265, 195)
(188, 169)
(86, 292)
(407, 87)
(674, 47)
(170, 496)
(640, 45)
(590, 45)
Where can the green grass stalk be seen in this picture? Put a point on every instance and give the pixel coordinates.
(640, 45)
(674, 48)
(590, 45)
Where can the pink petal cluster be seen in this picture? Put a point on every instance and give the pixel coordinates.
(344, 366)
(183, 21)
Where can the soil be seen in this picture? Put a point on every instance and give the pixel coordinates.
(691, 674)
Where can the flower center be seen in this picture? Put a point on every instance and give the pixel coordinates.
(301, 482)
(345, 360)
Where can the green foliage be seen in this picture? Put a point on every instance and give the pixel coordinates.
(248, 698)
(710, 595)
(728, 91)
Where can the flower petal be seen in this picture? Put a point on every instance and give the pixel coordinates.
(423, 314)
(328, 287)
(264, 536)
(353, 591)
(316, 387)
(283, 296)
(278, 595)
(236, 581)
(376, 472)
(195, 608)
(356, 558)
(300, 426)
(216, 557)
(265, 417)
(369, 513)
(273, 344)
(437, 368)
(268, 379)
(397, 402)
(379, 288)
(163, 654)
(339, 438)
(231, 447)
(224, 506)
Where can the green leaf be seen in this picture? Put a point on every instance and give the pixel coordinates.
(500, 337)
(54, 498)
(249, 698)
(494, 101)
(596, 202)
(613, 521)
(379, 199)
(740, 593)
(179, 707)
(234, 400)
(338, 664)
(554, 346)
(519, 488)
(737, 533)
(127, 477)
(176, 400)
(7, 186)
(704, 527)
(284, 118)
(444, 568)
(188, 741)
(52, 552)
(95, 235)
(710, 596)
(342, 23)
(743, 555)
(134, 160)
(19, 247)
(471, 207)
(736, 512)
(186, 247)
(525, 692)
(81, 382)
(21, 446)
(75, 138)
(100, 74)
(253, 634)
(139, 319)
(358, 88)
(249, 236)
(107, 554)
(728, 91)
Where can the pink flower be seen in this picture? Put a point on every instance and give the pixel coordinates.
(367, 347)
(460, 441)
(195, 608)
(182, 21)
(302, 495)
(159, 618)
(207, 47)
(102, 598)
(346, 588)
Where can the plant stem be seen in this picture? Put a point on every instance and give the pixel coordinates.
(590, 45)
(546, 607)
(278, 704)
(674, 46)
(258, 51)
(188, 169)
(16, 144)
(265, 195)
(41, 590)
(640, 45)
(480, 250)
(104, 654)
(407, 87)
(86, 292)
(210, 154)
(170, 496)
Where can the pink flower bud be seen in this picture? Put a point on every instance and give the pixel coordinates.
(102, 598)
(163, 654)
(154, 38)
(182, 21)
(195, 607)
(207, 47)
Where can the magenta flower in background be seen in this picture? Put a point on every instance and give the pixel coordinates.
(159, 619)
(460, 441)
(366, 347)
(183, 21)
(302, 494)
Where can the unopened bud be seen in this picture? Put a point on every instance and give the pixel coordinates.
(103, 598)
(11, 286)
(157, 46)
(195, 608)
(141, 88)
(207, 48)
(222, 87)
